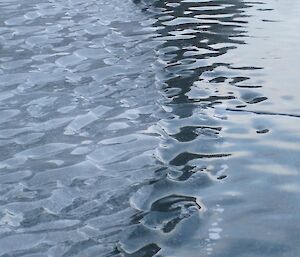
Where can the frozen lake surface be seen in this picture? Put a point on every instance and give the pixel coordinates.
(149, 128)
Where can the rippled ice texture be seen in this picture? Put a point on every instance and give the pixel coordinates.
(149, 128)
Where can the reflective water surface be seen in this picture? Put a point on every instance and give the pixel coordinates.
(149, 128)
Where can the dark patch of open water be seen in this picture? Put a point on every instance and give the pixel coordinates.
(149, 128)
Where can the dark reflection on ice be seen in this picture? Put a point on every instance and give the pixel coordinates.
(149, 128)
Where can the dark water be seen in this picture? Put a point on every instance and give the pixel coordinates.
(149, 128)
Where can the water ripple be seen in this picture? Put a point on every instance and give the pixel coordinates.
(149, 128)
